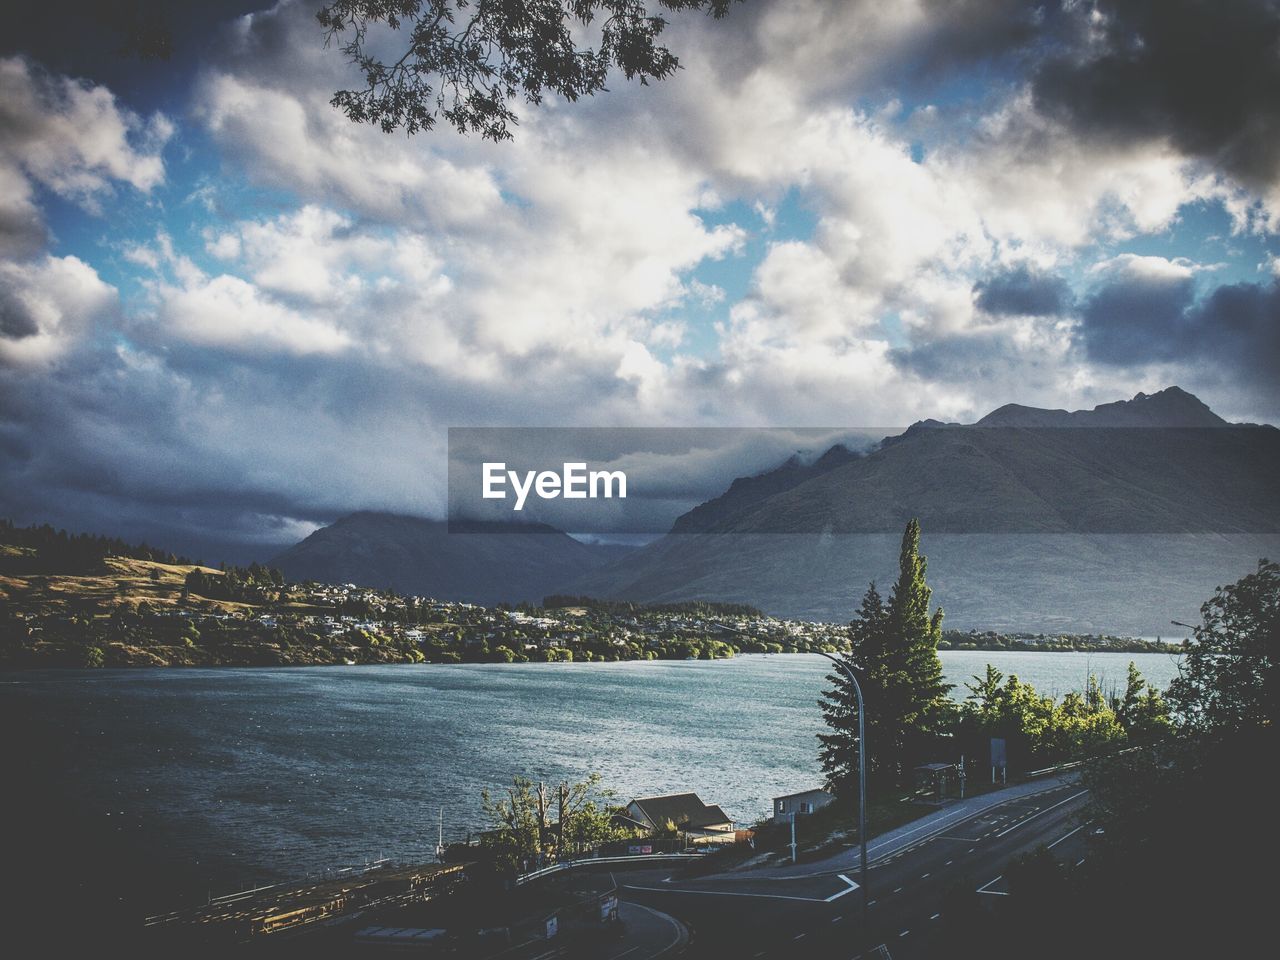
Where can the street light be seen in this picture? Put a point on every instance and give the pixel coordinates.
(862, 780)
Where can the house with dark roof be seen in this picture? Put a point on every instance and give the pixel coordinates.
(800, 804)
(685, 811)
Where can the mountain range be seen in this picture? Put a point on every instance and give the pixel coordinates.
(1114, 519)
(487, 564)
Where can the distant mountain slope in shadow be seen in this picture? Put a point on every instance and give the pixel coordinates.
(1117, 518)
(412, 555)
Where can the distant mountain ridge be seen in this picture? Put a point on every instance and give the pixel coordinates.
(746, 491)
(487, 563)
(1163, 463)
(1171, 407)
(1122, 523)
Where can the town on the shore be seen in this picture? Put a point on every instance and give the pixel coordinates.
(79, 601)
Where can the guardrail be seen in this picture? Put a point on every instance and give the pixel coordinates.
(1058, 768)
(1080, 763)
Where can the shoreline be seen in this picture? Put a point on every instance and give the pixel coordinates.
(1174, 650)
(532, 664)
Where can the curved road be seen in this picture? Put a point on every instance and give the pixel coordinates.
(814, 910)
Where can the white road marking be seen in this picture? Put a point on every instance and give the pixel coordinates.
(662, 916)
(1065, 835)
(994, 893)
(798, 936)
(925, 877)
(1041, 813)
(904, 933)
(726, 893)
(935, 916)
(852, 887)
(948, 863)
(1080, 861)
(897, 889)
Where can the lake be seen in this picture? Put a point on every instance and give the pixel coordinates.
(212, 780)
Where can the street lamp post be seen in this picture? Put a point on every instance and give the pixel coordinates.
(862, 781)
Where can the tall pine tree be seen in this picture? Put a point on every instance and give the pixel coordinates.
(894, 651)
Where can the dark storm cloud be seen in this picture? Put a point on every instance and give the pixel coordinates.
(962, 32)
(16, 321)
(987, 355)
(135, 47)
(1137, 319)
(21, 231)
(1203, 74)
(1023, 291)
(1235, 329)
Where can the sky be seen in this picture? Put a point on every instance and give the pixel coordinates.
(228, 314)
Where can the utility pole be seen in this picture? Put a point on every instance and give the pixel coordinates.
(793, 836)
(862, 781)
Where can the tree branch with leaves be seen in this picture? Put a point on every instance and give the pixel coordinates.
(468, 61)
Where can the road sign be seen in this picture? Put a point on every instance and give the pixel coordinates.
(998, 756)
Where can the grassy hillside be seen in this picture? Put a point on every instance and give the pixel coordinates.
(133, 612)
(123, 582)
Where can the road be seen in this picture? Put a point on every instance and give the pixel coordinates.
(816, 911)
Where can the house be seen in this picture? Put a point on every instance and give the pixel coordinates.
(800, 804)
(685, 810)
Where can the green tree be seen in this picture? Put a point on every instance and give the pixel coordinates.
(584, 817)
(519, 820)
(1142, 710)
(893, 647)
(923, 705)
(532, 824)
(468, 60)
(1229, 678)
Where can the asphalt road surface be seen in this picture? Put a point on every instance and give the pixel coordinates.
(818, 914)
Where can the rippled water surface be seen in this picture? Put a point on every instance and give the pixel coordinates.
(219, 779)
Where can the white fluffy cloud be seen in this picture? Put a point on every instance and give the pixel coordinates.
(46, 305)
(72, 138)
(312, 350)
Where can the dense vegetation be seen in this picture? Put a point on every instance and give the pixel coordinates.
(531, 826)
(1094, 643)
(911, 720)
(44, 549)
(1179, 782)
(1187, 819)
(702, 608)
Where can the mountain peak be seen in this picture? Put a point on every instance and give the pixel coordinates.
(1170, 407)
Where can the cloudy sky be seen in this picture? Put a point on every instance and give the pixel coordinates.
(228, 314)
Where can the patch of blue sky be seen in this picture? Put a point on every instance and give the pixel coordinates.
(765, 223)
(195, 203)
(124, 218)
(892, 329)
(1202, 235)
